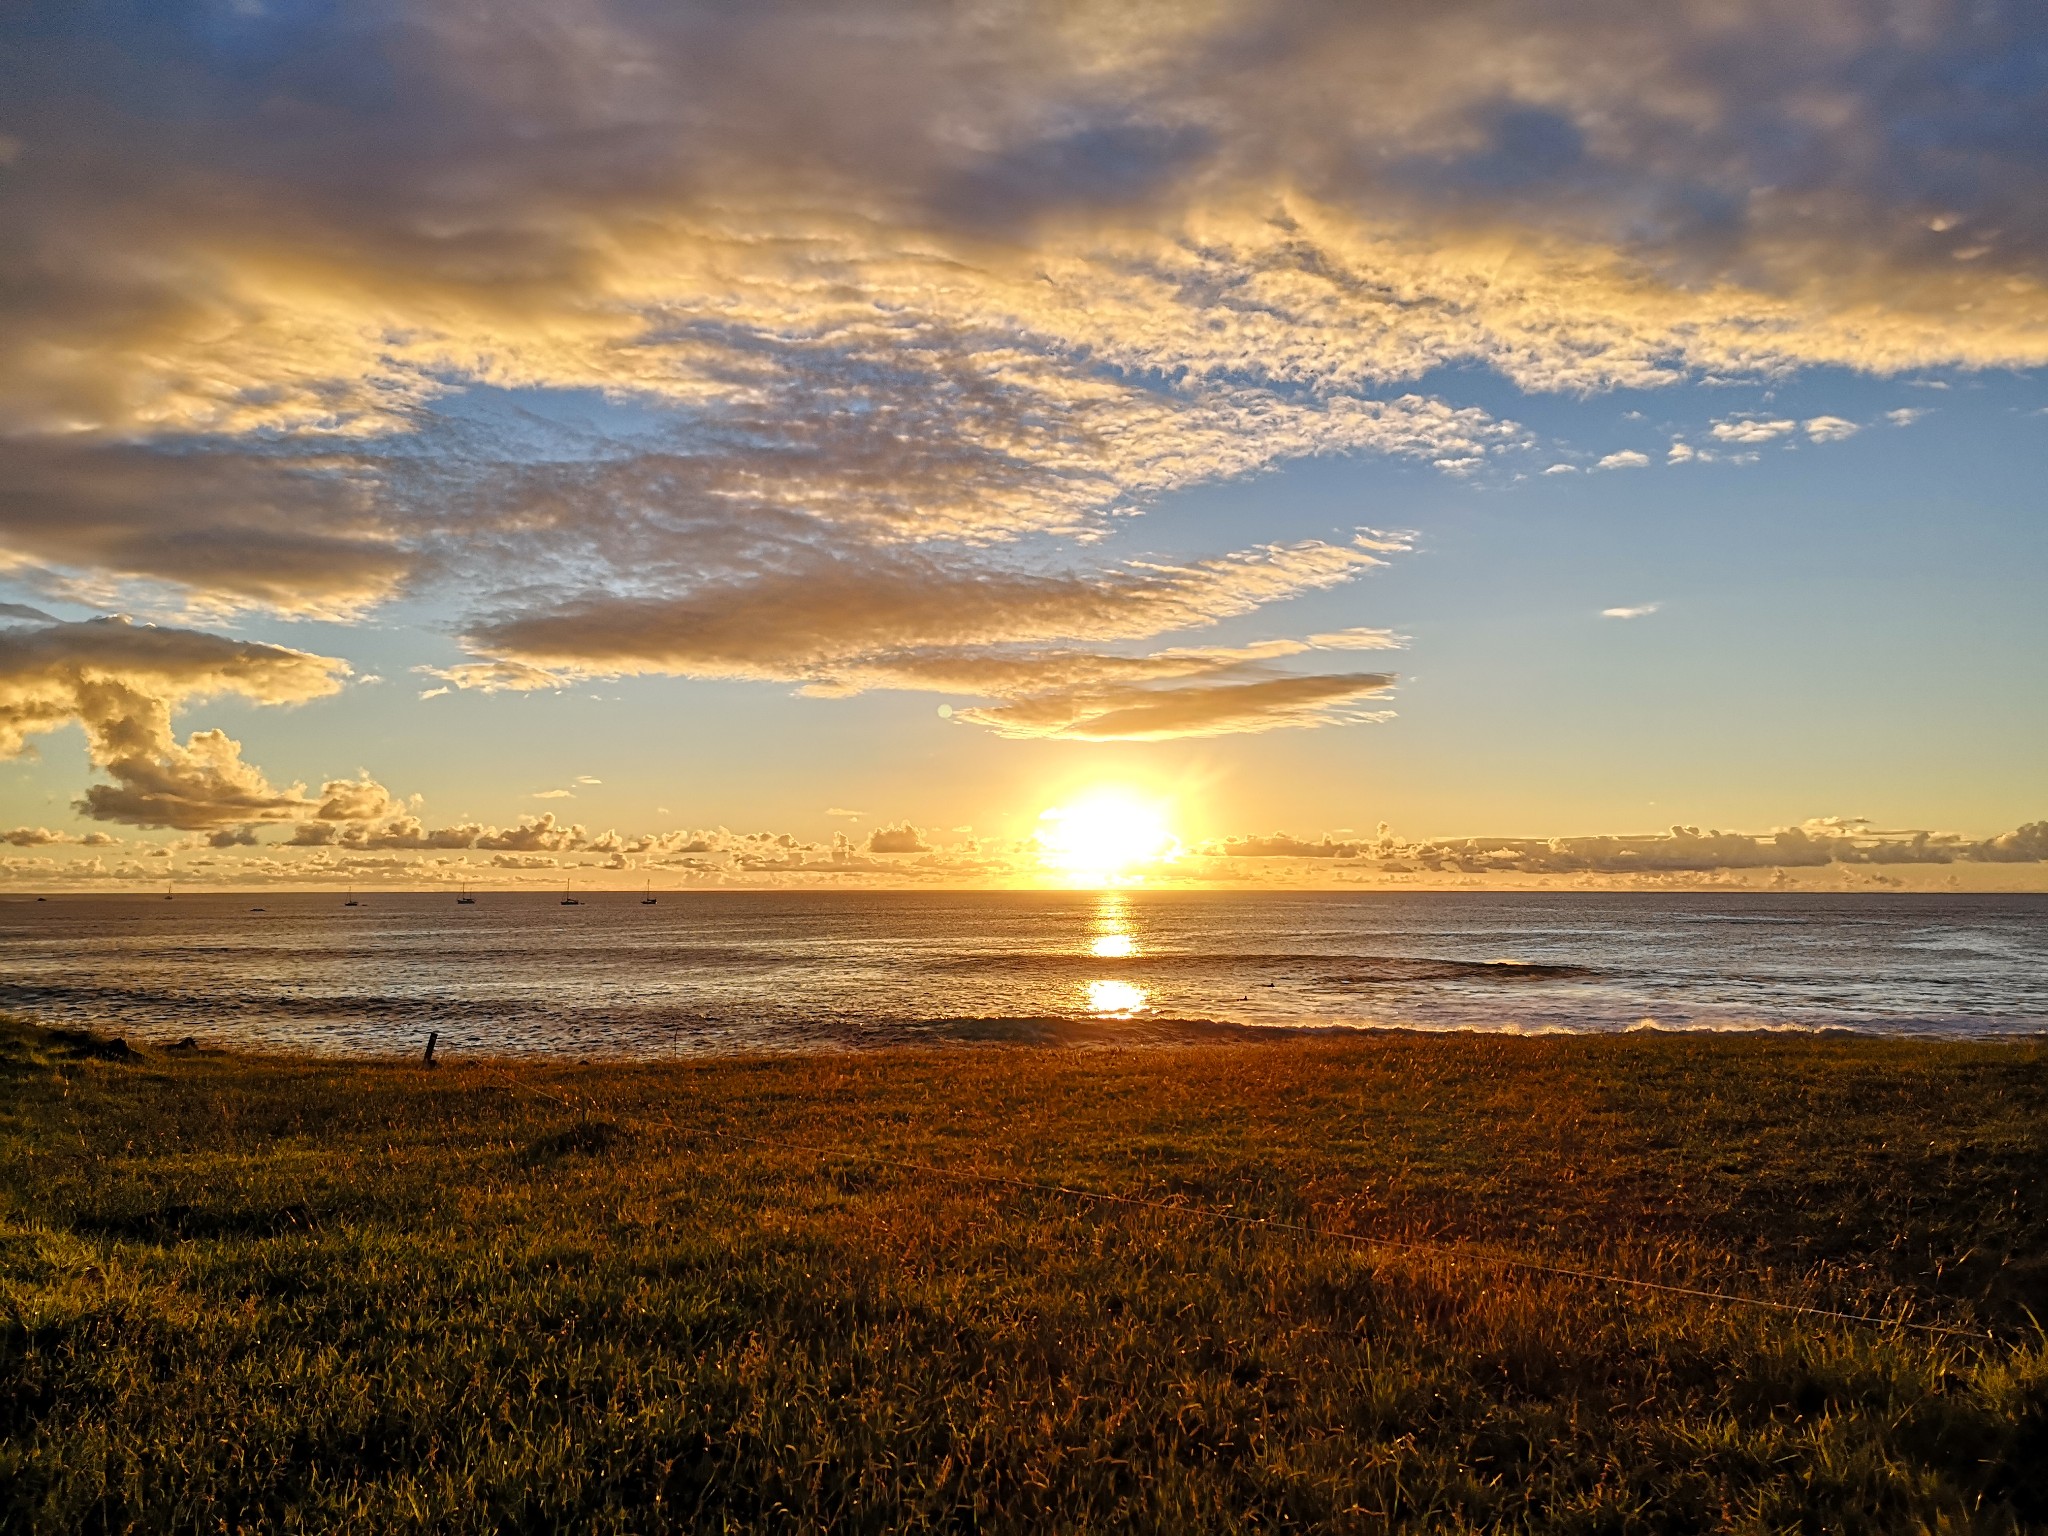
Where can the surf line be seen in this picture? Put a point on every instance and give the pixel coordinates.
(1454, 1252)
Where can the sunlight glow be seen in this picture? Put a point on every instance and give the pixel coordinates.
(1107, 837)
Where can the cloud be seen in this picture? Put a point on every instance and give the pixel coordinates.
(1832, 840)
(1904, 416)
(1358, 639)
(288, 293)
(841, 811)
(1213, 709)
(359, 799)
(202, 783)
(554, 794)
(292, 533)
(903, 838)
(1562, 469)
(1830, 429)
(401, 832)
(494, 677)
(1752, 429)
(1642, 181)
(901, 853)
(827, 617)
(34, 837)
(121, 682)
(1682, 453)
(541, 832)
(837, 623)
(306, 313)
(1641, 610)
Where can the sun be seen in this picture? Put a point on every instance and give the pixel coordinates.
(1107, 837)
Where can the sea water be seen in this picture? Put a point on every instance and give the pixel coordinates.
(729, 971)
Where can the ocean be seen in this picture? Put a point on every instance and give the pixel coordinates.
(722, 972)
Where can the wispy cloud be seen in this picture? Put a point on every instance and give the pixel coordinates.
(1031, 640)
(1639, 611)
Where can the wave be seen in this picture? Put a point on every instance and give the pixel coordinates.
(1335, 969)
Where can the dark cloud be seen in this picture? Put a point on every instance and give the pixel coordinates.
(291, 534)
(898, 839)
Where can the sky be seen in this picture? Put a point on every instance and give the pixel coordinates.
(485, 440)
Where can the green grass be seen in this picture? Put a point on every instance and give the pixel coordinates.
(262, 1294)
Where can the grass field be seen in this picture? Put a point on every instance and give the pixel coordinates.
(261, 1294)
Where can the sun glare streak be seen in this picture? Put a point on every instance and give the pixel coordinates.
(1108, 837)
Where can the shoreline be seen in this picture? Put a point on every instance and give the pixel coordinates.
(1026, 1033)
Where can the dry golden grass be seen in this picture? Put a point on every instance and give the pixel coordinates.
(281, 1295)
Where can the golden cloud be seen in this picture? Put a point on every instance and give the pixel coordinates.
(121, 681)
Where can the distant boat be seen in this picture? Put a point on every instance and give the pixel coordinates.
(650, 898)
(351, 902)
(567, 899)
(167, 890)
(465, 899)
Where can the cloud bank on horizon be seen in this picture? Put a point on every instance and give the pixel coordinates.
(1836, 852)
(826, 347)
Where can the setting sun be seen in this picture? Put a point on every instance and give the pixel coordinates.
(1106, 837)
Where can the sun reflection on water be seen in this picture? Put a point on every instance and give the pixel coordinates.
(1113, 937)
(1115, 999)
(1114, 940)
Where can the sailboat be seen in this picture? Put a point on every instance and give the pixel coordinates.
(167, 892)
(351, 902)
(567, 899)
(650, 898)
(465, 899)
